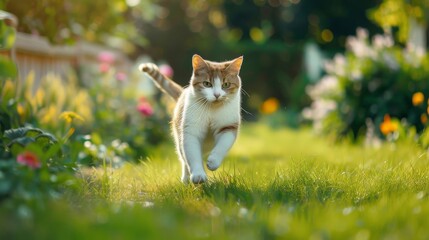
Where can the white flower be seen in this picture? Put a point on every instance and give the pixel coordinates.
(326, 87)
(339, 60)
(388, 40)
(337, 66)
(382, 41)
(329, 67)
(359, 47)
(414, 55)
(378, 41)
(318, 111)
(362, 33)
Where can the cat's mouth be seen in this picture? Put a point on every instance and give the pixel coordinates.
(218, 101)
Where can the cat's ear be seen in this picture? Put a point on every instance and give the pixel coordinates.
(235, 65)
(198, 63)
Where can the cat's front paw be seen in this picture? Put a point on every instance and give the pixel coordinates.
(198, 178)
(213, 162)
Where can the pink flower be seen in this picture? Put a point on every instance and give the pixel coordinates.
(166, 70)
(121, 76)
(145, 108)
(104, 67)
(29, 159)
(106, 57)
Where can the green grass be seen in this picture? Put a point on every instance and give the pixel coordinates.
(275, 184)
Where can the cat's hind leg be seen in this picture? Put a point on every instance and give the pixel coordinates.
(185, 173)
(185, 169)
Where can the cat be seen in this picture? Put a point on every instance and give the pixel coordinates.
(208, 108)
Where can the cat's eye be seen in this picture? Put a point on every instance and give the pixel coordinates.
(207, 84)
(226, 85)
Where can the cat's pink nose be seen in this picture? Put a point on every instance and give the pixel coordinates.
(217, 95)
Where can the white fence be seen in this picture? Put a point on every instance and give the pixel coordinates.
(34, 53)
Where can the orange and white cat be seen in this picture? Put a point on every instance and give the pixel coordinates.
(208, 108)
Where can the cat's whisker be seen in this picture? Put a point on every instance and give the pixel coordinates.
(199, 103)
(245, 93)
(196, 102)
(201, 107)
(247, 112)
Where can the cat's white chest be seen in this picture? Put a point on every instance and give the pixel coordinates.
(229, 114)
(201, 119)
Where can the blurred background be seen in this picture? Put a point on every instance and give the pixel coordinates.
(274, 36)
(74, 108)
(354, 69)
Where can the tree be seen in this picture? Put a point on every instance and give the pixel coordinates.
(410, 17)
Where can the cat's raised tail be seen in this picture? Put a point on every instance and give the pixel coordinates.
(162, 82)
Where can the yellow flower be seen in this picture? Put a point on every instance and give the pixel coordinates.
(418, 98)
(38, 98)
(387, 126)
(48, 115)
(69, 116)
(20, 109)
(270, 105)
(8, 91)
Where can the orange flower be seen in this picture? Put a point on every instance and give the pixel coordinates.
(423, 118)
(270, 105)
(418, 98)
(387, 126)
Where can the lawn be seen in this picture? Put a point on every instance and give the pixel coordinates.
(275, 184)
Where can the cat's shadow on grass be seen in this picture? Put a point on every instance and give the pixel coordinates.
(223, 188)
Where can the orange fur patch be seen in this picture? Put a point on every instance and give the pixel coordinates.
(228, 128)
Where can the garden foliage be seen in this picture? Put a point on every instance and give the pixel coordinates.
(33, 166)
(375, 87)
(52, 126)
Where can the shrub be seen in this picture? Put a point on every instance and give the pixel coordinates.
(110, 121)
(126, 122)
(372, 83)
(33, 166)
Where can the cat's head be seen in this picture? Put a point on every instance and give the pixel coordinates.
(216, 82)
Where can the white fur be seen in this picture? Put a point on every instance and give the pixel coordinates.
(216, 89)
(199, 119)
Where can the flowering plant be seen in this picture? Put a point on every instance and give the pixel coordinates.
(33, 165)
(127, 119)
(371, 83)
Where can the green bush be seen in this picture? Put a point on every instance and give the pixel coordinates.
(373, 88)
(33, 166)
